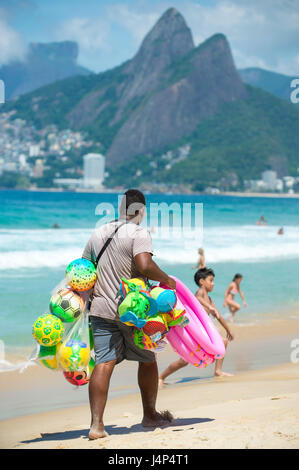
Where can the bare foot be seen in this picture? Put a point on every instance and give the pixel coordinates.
(164, 418)
(161, 383)
(223, 374)
(97, 432)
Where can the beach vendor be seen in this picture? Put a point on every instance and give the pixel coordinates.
(204, 278)
(229, 296)
(128, 255)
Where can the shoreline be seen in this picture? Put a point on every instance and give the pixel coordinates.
(121, 190)
(256, 346)
(254, 409)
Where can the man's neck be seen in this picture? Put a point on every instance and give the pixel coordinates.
(130, 218)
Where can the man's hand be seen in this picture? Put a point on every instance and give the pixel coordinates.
(171, 283)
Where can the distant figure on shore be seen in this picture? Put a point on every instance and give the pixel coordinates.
(204, 278)
(280, 231)
(231, 291)
(55, 226)
(262, 221)
(201, 263)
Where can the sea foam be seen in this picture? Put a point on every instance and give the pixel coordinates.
(29, 249)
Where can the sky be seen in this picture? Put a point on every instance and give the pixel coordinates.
(261, 33)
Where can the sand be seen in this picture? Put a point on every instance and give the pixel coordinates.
(256, 408)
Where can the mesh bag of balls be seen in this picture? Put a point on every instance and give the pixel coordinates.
(64, 335)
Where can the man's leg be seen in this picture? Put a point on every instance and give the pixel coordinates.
(148, 384)
(98, 392)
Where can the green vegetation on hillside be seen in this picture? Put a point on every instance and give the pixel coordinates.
(234, 145)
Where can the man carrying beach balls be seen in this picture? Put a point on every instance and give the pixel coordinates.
(128, 255)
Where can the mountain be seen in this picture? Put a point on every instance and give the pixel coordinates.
(172, 94)
(44, 64)
(275, 83)
(149, 101)
(182, 89)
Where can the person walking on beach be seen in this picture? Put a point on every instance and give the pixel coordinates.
(201, 263)
(128, 255)
(231, 291)
(204, 278)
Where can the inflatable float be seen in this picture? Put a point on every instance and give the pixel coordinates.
(199, 342)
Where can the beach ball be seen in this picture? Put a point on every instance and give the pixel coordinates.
(74, 355)
(81, 274)
(81, 377)
(165, 298)
(48, 330)
(66, 305)
(51, 362)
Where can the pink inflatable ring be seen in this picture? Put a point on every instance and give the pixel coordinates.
(199, 342)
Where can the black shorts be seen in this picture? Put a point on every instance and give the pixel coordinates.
(114, 340)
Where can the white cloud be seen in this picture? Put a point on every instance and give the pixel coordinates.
(137, 23)
(12, 46)
(92, 37)
(90, 33)
(264, 34)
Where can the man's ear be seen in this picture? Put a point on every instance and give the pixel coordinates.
(142, 212)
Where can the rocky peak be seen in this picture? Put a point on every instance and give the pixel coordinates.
(169, 40)
(192, 88)
(170, 37)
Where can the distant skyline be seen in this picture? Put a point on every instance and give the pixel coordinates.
(261, 33)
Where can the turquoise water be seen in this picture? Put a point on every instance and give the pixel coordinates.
(33, 255)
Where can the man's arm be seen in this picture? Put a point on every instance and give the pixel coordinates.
(150, 269)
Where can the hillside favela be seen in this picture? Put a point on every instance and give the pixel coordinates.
(175, 117)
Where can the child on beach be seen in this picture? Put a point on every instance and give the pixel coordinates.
(204, 278)
(231, 291)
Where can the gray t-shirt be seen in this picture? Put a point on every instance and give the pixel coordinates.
(116, 262)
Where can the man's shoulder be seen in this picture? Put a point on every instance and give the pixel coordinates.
(134, 230)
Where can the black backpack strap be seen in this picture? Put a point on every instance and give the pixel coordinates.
(108, 241)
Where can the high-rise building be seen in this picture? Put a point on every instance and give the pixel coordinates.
(94, 168)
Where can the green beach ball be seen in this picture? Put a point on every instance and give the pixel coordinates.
(48, 330)
(66, 305)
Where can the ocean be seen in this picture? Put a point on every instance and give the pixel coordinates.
(34, 255)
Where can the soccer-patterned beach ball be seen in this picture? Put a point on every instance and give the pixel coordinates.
(51, 361)
(74, 355)
(48, 330)
(66, 305)
(82, 377)
(81, 274)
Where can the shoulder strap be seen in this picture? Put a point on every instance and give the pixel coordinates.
(107, 243)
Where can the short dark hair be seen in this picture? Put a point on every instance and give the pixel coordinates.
(203, 274)
(132, 202)
(237, 276)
